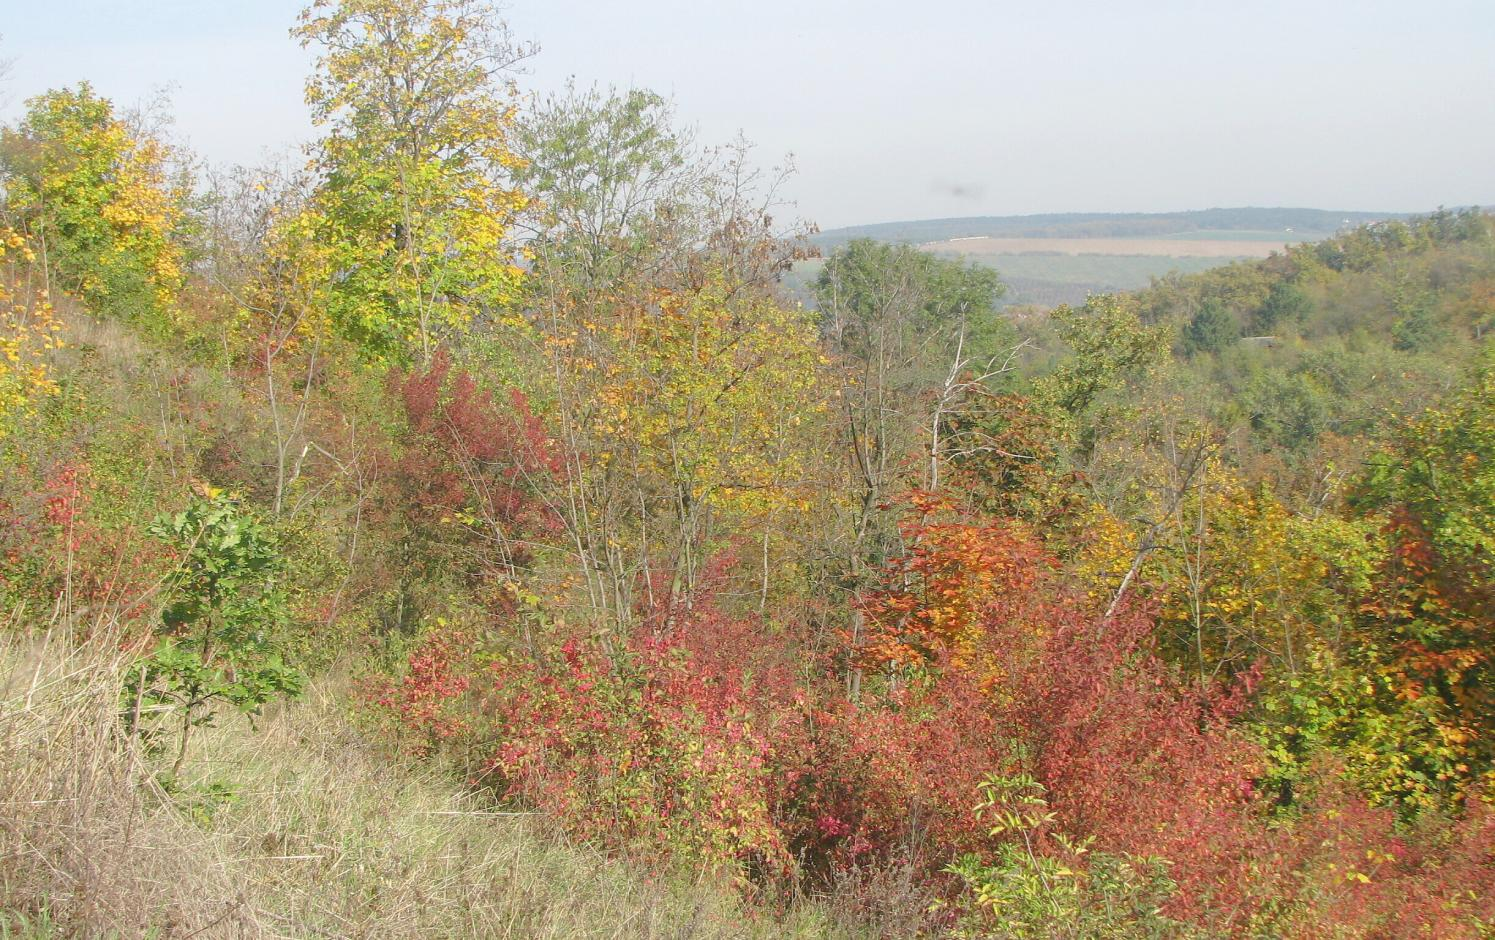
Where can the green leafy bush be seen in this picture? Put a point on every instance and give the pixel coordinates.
(221, 630)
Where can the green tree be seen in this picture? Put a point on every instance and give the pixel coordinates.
(222, 629)
(1212, 330)
(1285, 303)
(1417, 331)
(877, 298)
(1416, 327)
(627, 200)
(909, 328)
(616, 183)
(1108, 346)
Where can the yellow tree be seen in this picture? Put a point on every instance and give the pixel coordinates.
(712, 392)
(96, 200)
(27, 331)
(417, 108)
(683, 392)
(1241, 577)
(688, 416)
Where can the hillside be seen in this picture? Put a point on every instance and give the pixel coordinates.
(1048, 260)
(1303, 224)
(467, 533)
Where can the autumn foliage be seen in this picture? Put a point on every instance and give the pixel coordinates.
(962, 620)
(474, 466)
(702, 740)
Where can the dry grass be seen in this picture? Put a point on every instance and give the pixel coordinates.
(300, 828)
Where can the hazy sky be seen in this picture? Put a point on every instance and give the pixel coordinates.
(897, 110)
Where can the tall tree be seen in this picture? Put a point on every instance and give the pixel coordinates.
(682, 386)
(905, 325)
(615, 180)
(418, 108)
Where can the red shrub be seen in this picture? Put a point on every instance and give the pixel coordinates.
(719, 738)
(890, 780)
(475, 464)
(639, 750)
(1130, 756)
(428, 699)
(1346, 863)
(54, 547)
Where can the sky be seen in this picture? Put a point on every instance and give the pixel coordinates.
(905, 110)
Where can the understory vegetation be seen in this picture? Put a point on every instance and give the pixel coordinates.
(465, 534)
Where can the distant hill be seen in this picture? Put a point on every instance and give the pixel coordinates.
(1304, 223)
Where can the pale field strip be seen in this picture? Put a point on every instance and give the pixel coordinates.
(1156, 247)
